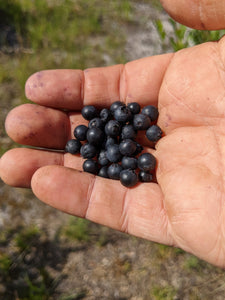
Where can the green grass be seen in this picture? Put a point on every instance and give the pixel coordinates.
(163, 292)
(182, 37)
(36, 291)
(77, 229)
(5, 263)
(25, 237)
(193, 263)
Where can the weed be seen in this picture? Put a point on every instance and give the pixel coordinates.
(36, 291)
(3, 149)
(26, 237)
(5, 263)
(77, 229)
(164, 251)
(192, 263)
(183, 37)
(163, 292)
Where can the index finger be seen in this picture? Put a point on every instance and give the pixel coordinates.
(137, 81)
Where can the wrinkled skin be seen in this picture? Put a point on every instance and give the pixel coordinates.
(185, 206)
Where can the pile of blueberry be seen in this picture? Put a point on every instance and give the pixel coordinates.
(109, 145)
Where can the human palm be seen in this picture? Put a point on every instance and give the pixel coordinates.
(185, 206)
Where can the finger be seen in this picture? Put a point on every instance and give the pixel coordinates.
(138, 80)
(198, 14)
(38, 126)
(138, 211)
(18, 165)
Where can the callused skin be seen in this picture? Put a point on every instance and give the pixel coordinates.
(185, 207)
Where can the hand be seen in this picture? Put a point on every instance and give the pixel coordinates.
(186, 207)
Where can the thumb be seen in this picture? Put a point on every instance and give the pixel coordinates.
(198, 14)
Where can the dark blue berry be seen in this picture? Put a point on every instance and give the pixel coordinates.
(128, 132)
(96, 122)
(129, 162)
(95, 136)
(88, 151)
(150, 111)
(145, 176)
(114, 171)
(127, 147)
(128, 178)
(102, 158)
(122, 114)
(90, 166)
(103, 172)
(89, 112)
(146, 162)
(73, 146)
(109, 141)
(112, 128)
(105, 115)
(154, 133)
(141, 122)
(134, 107)
(113, 153)
(115, 105)
(80, 132)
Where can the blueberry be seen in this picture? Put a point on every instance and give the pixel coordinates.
(88, 151)
(113, 153)
(95, 136)
(89, 112)
(141, 122)
(115, 105)
(102, 158)
(134, 107)
(146, 162)
(151, 111)
(129, 162)
(114, 171)
(128, 132)
(105, 115)
(80, 132)
(90, 166)
(103, 172)
(128, 178)
(122, 114)
(96, 122)
(145, 176)
(112, 128)
(127, 147)
(154, 133)
(73, 146)
(109, 141)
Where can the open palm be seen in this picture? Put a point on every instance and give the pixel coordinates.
(185, 207)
